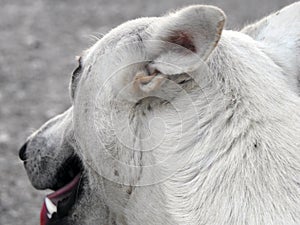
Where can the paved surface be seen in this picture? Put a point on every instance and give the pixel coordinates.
(38, 43)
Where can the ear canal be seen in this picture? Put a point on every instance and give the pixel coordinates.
(196, 28)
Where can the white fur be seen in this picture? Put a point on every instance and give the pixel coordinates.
(225, 149)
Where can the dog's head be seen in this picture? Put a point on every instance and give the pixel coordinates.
(90, 155)
(142, 58)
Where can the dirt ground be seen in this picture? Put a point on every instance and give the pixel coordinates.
(38, 43)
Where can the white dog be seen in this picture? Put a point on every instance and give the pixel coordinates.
(177, 121)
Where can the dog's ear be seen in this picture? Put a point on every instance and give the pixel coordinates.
(279, 37)
(189, 32)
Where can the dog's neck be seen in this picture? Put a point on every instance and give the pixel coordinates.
(225, 146)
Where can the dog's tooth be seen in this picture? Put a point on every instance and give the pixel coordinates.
(49, 215)
(51, 207)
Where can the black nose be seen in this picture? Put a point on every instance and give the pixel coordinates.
(22, 152)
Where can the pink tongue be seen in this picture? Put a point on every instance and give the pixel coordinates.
(58, 195)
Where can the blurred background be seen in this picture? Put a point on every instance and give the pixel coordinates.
(39, 40)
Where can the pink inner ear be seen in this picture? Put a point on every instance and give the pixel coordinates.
(183, 39)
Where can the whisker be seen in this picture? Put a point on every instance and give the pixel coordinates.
(95, 37)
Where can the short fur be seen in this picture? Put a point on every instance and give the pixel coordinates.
(161, 148)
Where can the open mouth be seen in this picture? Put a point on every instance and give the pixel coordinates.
(67, 190)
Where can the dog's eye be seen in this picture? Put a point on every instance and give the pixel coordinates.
(75, 76)
(77, 71)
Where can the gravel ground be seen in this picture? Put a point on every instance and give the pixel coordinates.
(38, 43)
